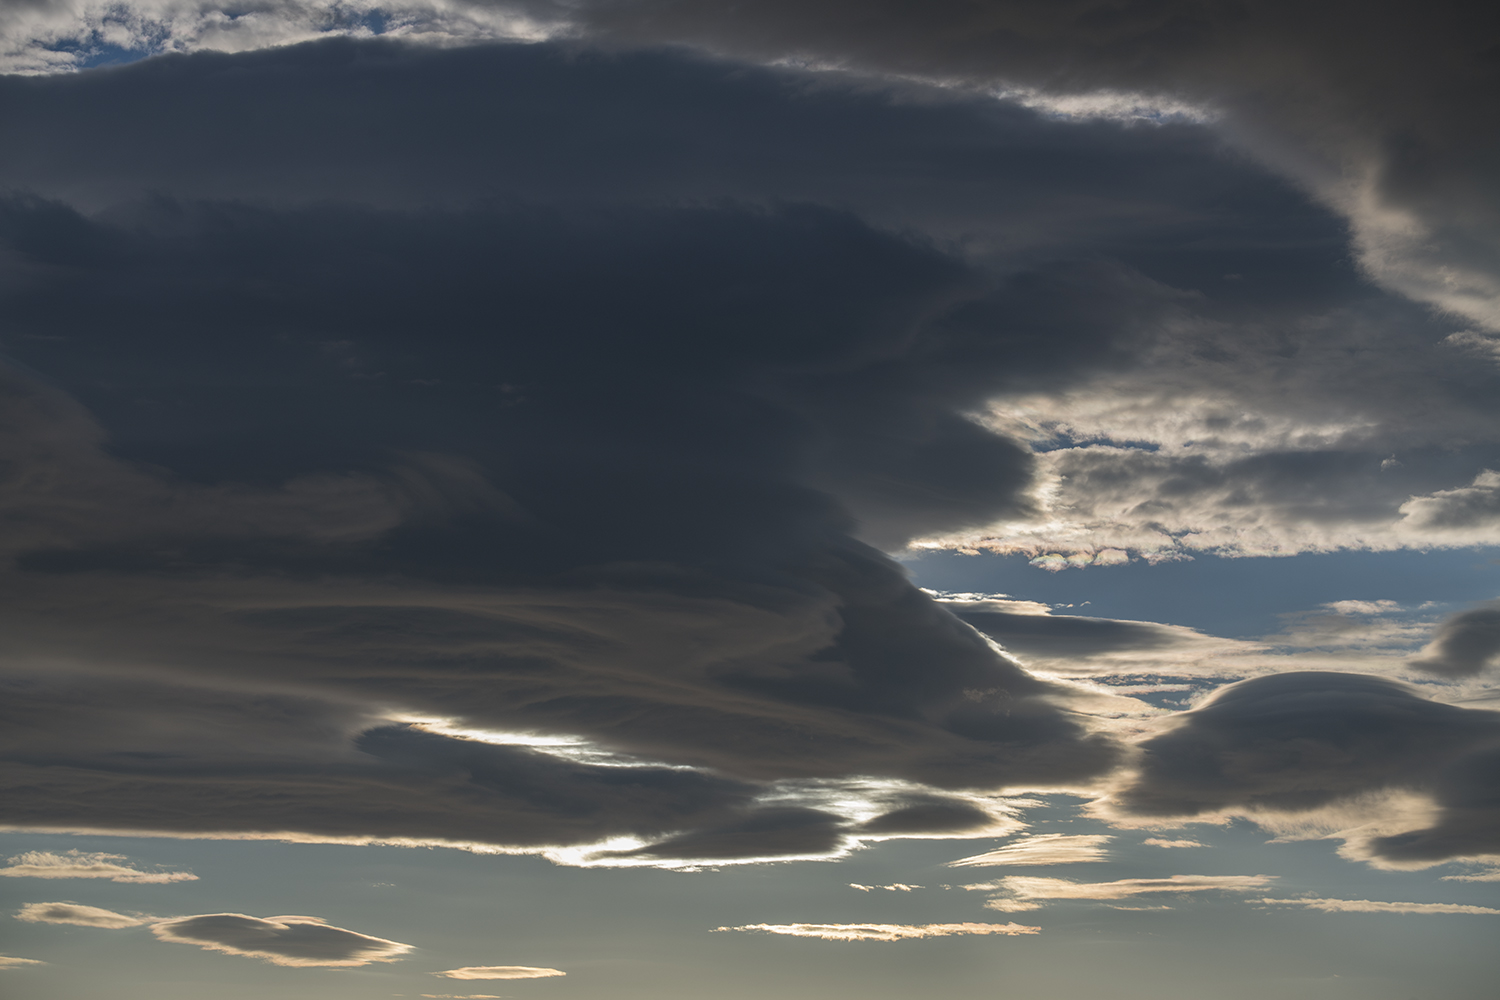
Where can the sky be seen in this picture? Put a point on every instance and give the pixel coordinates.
(645, 499)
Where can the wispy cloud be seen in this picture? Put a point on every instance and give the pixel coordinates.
(287, 940)
(1492, 875)
(1024, 892)
(1375, 906)
(1043, 849)
(881, 932)
(500, 972)
(1159, 842)
(76, 864)
(11, 962)
(77, 914)
(893, 887)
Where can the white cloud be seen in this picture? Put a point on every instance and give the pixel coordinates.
(1023, 892)
(893, 887)
(75, 864)
(1492, 875)
(500, 972)
(882, 932)
(287, 940)
(11, 962)
(76, 914)
(1373, 906)
(1042, 849)
(462, 996)
(1159, 842)
(60, 36)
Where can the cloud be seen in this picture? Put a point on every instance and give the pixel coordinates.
(1042, 849)
(11, 962)
(290, 941)
(1464, 645)
(882, 932)
(500, 972)
(76, 864)
(76, 914)
(1159, 842)
(1025, 892)
(1492, 875)
(1288, 745)
(560, 528)
(1370, 906)
(894, 887)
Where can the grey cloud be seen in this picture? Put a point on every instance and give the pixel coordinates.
(291, 940)
(1297, 742)
(303, 466)
(1464, 645)
(76, 914)
(1382, 122)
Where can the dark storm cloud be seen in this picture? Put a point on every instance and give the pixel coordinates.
(285, 479)
(293, 941)
(375, 410)
(1297, 742)
(1464, 645)
(1389, 116)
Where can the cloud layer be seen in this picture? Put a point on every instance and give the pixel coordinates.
(499, 446)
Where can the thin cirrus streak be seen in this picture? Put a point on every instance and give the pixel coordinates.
(1023, 892)
(12, 962)
(1376, 906)
(76, 864)
(882, 932)
(500, 972)
(1043, 849)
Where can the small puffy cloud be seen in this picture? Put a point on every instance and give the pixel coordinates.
(77, 864)
(77, 914)
(893, 887)
(882, 932)
(1464, 645)
(1159, 842)
(286, 940)
(11, 962)
(1021, 892)
(1375, 906)
(1043, 849)
(500, 972)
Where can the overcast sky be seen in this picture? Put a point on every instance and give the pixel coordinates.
(827, 499)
